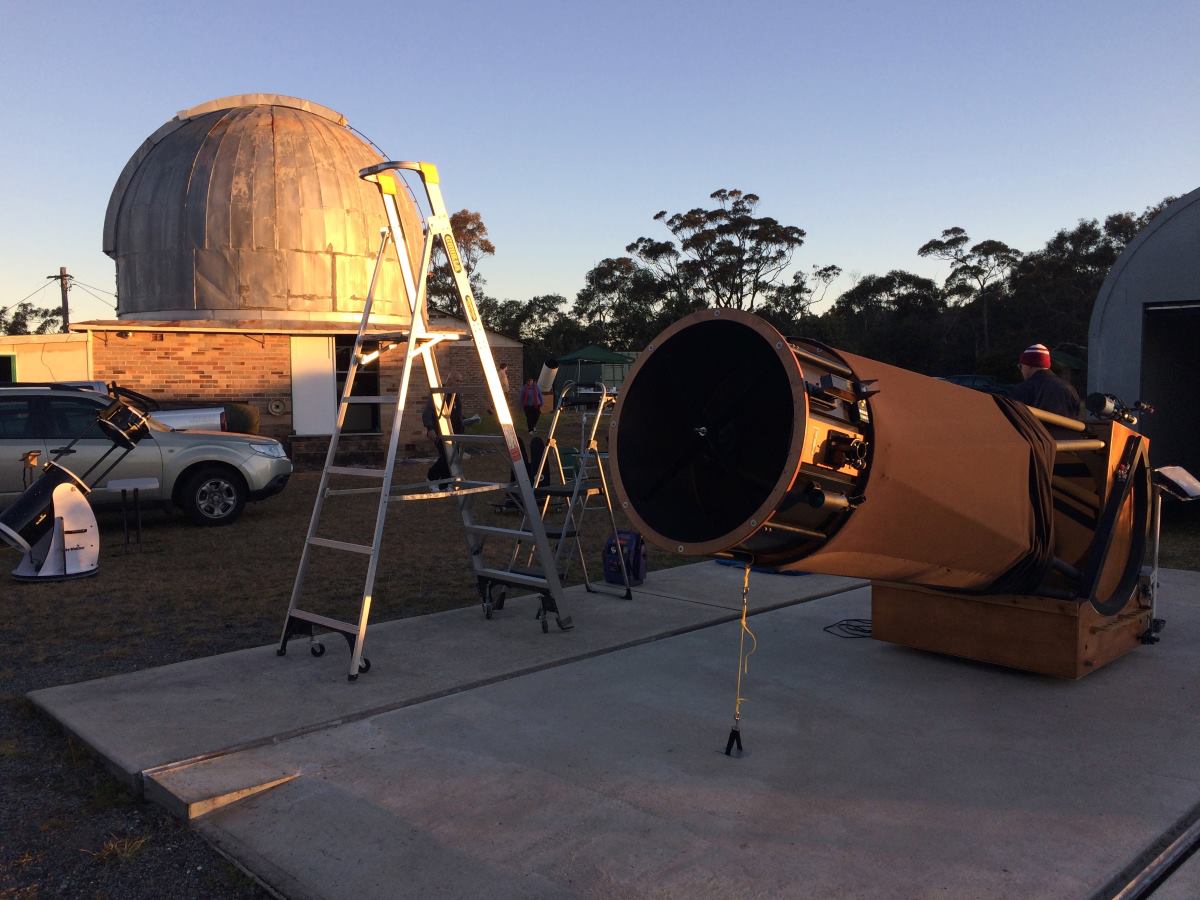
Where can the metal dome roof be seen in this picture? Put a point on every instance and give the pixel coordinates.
(250, 206)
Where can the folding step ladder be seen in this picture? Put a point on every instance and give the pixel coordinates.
(587, 486)
(419, 343)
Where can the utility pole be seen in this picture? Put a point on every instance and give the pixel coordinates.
(64, 285)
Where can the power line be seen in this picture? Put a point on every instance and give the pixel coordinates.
(26, 297)
(103, 300)
(92, 286)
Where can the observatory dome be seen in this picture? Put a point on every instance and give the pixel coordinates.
(250, 207)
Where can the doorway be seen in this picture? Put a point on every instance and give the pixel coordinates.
(1170, 374)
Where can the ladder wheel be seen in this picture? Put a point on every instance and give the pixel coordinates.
(316, 649)
(496, 595)
(545, 626)
(487, 609)
(281, 651)
(364, 665)
(352, 678)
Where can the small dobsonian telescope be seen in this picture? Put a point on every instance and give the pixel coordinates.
(51, 523)
(989, 529)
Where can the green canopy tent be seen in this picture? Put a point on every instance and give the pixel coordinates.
(590, 364)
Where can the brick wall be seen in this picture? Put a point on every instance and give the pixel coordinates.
(463, 361)
(203, 369)
(206, 369)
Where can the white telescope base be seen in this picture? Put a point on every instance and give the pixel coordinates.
(71, 549)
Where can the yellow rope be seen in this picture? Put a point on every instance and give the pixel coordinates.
(743, 656)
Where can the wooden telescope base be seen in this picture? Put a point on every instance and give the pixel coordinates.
(1052, 637)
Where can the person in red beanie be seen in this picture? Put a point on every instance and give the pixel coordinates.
(1041, 387)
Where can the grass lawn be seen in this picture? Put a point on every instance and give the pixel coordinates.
(196, 591)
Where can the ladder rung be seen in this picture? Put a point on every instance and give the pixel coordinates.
(427, 336)
(341, 545)
(565, 490)
(335, 624)
(451, 489)
(524, 533)
(352, 470)
(525, 579)
(363, 398)
(473, 438)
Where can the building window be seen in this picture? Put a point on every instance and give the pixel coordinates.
(361, 418)
(8, 368)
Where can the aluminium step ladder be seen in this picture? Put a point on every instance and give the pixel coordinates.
(419, 342)
(586, 488)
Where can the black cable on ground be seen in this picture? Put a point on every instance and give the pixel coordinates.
(850, 628)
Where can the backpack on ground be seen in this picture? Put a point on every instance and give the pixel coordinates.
(633, 547)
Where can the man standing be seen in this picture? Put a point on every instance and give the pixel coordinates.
(440, 470)
(1041, 387)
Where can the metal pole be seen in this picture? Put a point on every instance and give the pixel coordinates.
(63, 285)
(1049, 418)
(1082, 444)
(1158, 500)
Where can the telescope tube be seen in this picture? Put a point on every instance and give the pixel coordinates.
(730, 439)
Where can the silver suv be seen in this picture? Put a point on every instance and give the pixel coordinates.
(209, 474)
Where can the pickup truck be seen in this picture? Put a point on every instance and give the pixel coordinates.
(208, 418)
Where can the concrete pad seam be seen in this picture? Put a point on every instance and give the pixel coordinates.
(849, 587)
(1141, 864)
(212, 837)
(476, 684)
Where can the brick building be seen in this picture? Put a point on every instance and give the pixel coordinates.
(291, 374)
(244, 243)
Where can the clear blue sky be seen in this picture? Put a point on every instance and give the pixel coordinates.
(568, 125)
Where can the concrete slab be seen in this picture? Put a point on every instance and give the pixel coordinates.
(871, 770)
(156, 717)
(719, 584)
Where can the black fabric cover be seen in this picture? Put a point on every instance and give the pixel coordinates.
(1026, 575)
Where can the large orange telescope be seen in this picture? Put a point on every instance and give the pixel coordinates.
(985, 525)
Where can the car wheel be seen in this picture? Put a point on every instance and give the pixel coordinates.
(214, 495)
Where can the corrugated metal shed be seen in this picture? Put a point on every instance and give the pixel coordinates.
(1145, 328)
(251, 203)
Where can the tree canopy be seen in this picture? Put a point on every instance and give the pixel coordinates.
(471, 236)
(25, 318)
(992, 302)
(726, 255)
